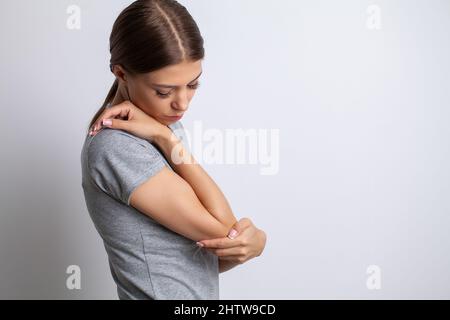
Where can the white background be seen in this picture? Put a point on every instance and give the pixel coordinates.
(363, 115)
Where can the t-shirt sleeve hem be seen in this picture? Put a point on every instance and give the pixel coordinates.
(158, 166)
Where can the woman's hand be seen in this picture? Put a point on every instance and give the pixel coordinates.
(126, 116)
(247, 243)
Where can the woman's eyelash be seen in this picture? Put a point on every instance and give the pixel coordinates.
(162, 94)
(194, 86)
(165, 95)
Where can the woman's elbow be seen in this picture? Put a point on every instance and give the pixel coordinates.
(219, 230)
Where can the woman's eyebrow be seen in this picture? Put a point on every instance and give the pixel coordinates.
(169, 86)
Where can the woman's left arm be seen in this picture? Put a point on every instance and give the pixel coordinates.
(246, 243)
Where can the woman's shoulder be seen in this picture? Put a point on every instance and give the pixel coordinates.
(109, 140)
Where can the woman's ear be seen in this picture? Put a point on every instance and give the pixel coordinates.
(120, 73)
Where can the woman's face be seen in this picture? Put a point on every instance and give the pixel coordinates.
(165, 92)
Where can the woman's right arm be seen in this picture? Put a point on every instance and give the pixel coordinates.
(186, 201)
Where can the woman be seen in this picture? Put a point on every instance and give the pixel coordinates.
(164, 222)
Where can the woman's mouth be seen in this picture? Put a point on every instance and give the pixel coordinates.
(174, 118)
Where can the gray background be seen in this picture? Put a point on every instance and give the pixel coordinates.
(364, 144)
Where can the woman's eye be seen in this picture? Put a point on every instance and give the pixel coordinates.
(162, 94)
(194, 86)
(166, 95)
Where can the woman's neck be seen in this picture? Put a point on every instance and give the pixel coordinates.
(119, 97)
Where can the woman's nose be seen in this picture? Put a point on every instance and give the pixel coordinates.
(179, 107)
(181, 103)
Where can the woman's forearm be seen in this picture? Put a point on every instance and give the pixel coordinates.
(203, 185)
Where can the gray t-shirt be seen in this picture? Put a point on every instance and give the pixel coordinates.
(146, 259)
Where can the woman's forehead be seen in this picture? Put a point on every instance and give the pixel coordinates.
(175, 75)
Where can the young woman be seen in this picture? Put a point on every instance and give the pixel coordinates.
(166, 226)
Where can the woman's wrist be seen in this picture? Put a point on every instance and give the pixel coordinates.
(163, 136)
(172, 148)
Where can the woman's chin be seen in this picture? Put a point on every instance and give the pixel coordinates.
(169, 122)
(166, 122)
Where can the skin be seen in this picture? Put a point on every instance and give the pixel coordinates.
(249, 242)
(232, 251)
(140, 89)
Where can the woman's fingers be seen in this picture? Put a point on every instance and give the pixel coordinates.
(120, 110)
(239, 259)
(128, 117)
(235, 251)
(97, 123)
(221, 242)
(107, 114)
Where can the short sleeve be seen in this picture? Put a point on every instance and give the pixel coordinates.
(118, 163)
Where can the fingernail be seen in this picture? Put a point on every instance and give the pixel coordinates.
(107, 122)
(233, 233)
(200, 244)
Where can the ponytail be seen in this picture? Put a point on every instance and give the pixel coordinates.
(109, 98)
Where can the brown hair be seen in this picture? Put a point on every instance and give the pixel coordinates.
(149, 35)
